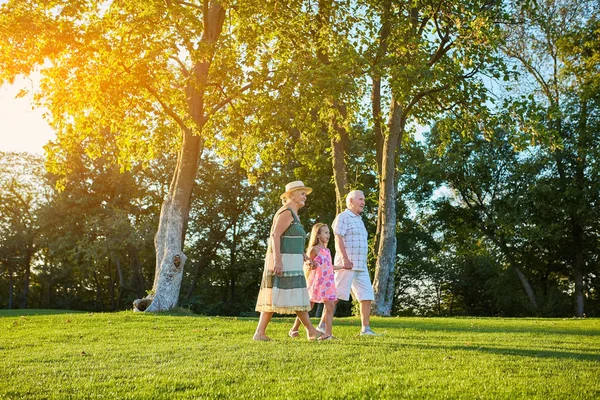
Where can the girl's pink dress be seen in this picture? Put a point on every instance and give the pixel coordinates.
(321, 280)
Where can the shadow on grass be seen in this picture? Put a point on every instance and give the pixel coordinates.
(176, 312)
(580, 356)
(27, 312)
(482, 326)
(504, 351)
(396, 344)
(449, 325)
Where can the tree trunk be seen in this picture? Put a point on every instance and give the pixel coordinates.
(48, 292)
(338, 133)
(501, 243)
(206, 258)
(113, 279)
(438, 294)
(377, 125)
(384, 33)
(168, 241)
(526, 286)
(340, 175)
(26, 278)
(383, 284)
(225, 289)
(98, 303)
(10, 289)
(200, 265)
(121, 285)
(577, 225)
(137, 283)
(174, 213)
(379, 139)
(233, 260)
(578, 266)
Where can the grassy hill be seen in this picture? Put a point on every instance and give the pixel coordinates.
(56, 354)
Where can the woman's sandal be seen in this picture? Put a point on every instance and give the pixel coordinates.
(293, 334)
(321, 336)
(329, 337)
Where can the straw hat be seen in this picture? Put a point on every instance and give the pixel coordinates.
(293, 186)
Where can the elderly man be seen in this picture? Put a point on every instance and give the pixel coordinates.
(351, 249)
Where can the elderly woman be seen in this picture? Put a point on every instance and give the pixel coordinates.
(283, 287)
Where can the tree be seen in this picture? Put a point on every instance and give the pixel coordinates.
(22, 194)
(315, 86)
(96, 231)
(481, 169)
(430, 59)
(558, 53)
(141, 71)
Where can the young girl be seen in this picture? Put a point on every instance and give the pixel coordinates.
(320, 278)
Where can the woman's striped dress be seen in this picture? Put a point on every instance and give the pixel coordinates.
(285, 294)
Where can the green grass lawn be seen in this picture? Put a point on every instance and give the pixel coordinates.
(53, 354)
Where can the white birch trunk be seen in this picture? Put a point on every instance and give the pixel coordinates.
(169, 238)
(170, 258)
(383, 283)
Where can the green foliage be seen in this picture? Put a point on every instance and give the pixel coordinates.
(97, 233)
(515, 182)
(505, 180)
(22, 196)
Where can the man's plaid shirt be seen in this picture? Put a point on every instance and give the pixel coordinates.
(352, 230)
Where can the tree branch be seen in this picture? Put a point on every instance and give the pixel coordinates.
(422, 94)
(435, 21)
(439, 53)
(170, 112)
(442, 48)
(185, 3)
(226, 101)
(182, 66)
(446, 108)
(422, 26)
(205, 14)
(536, 74)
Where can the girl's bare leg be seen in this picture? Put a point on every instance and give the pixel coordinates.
(261, 334)
(323, 322)
(328, 317)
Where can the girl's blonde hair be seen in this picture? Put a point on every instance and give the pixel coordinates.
(312, 243)
(314, 236)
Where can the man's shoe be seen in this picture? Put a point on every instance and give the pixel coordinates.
(368, 332)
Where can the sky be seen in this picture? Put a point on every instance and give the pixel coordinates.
(21, 128)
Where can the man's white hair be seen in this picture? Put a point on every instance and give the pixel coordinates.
(352, 195)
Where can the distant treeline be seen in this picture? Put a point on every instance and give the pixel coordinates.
(472, 127)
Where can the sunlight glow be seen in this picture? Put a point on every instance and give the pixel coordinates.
(21, 127)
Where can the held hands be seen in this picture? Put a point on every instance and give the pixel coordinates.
(310, 263)
(347, 264)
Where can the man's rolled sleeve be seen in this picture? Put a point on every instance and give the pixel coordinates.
(340, 226)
